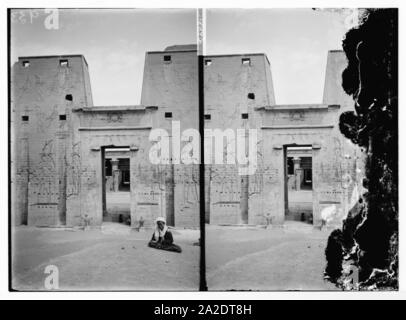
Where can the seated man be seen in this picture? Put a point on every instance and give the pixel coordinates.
(162, 237)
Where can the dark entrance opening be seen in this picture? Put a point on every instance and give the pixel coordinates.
(244, 200)
(116, 185)
(298, 182)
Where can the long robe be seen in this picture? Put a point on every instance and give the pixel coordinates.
(165, 243)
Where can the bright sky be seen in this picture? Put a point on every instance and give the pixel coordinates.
(296, 42)
(114, 43)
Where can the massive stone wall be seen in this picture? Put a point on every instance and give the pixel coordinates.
(240, 84)
(334, 163)
(173, 86)
(44, 91)
(101, 127)
(58, 140)
(234, 86)
(333, 92)
(170, 82)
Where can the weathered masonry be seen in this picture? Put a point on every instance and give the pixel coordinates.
(60, 141)
(67, 154)
(239, 94)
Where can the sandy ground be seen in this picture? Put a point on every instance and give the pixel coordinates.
(253, 258)
(112, 258)
(302, 196)
(117, 258)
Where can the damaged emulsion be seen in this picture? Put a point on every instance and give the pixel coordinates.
(368, 241)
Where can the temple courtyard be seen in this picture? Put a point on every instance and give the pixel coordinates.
(116, 257)
(289, 257)
(113, 257)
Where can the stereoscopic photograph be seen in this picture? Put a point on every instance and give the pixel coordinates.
(95, 204)
(203, 149)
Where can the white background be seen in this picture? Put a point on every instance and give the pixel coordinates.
(5, 294)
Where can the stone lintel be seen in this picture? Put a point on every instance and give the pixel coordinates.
(298, 107)
(102, 109)
(114, 128)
